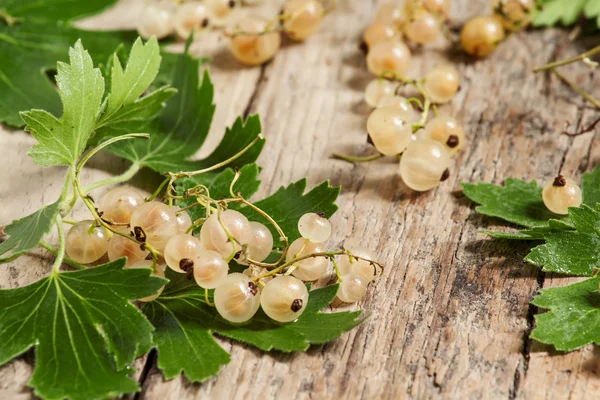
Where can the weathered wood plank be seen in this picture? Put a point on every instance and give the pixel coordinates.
(450, 317)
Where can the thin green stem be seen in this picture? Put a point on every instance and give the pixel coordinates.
(336, 269)
(60, 254)
(571, 60)
(69, 221)
(124, 177)
(158, 190)
(579, 91)
(106, 143)
(54, 251)
(206, 298)
(357, 159)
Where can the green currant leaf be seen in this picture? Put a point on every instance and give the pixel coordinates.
(536, 233)
(31, 47)
(566, 12)
(24, 234)
(181, 129)
(571, 252)
(574, 317)
(185, 323)
(61, 142)
(85, 330)
(590, 187)
(517, 201)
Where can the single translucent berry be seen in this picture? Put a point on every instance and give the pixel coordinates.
(445, 130)
(251, 45)
(182, 252)
(119, 246)
(210, 269)
(389, 56)
(184, 221)
(190, 17)
(261, 242)
(118, 204)
(513, 14)
(155, 272)
(302, 18)
(157, 221)
(422, 27)
(378, 32)
(314, 227)
(222, 12)
(390, 13)
(390, 129)
(442, 83)
(214, 237)
(284, 298)
(480, 35)
(440, 8)
(86, 242)
(398, 102)
(560, 194)
(308, 269)
(237, 298)
(424, 164)
(155, 20)
(377, 89)
(350, 265)
(352, 288)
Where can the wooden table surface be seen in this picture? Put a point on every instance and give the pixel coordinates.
(451, 316)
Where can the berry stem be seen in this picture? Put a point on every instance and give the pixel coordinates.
(106, 143)
(54, 251)
(357, 159)
(336, 269)
(60, 254)
(571, 60)
(124, 177)
(577, 90)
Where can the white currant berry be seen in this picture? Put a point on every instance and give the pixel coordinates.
(284, 298)
(158, 222)
(119, 246)
(349, 264)
(261, 242)
(184, 221)
(251, 44)
(155, 20)
(399, 102)
(189, 17)
(480, 35)
(422, 27)
(182, 252)
(86, 242)
(118, 204)
(352, 288)
(214, 237)
(237, 298)
(210, 269)
(155, 272)
(445, 130)
(314, 227)
(378, 88)
(308, 269)
(378, 32)
(424, 164)
(390, 13)
(441, 8)
(560, 194)
(513, 14)
(389, 56)
(302, 18)
(442, 83)
(390, 130)
(222, 12)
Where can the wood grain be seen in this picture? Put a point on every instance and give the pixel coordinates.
(451, 316)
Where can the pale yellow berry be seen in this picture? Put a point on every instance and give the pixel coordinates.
(284, 298)
(513, 14)
(302, 18)
(378, 32)
(251, 45)
(308, 269)
(424, 164)
(237, 298)
(560, 194)
(480, 35)
(352, 288)
(378, 88)
(390, 130)
(189, 17)
(221, 12)
(349, 264)
(182, 252)
(86, 242)
(390, 13)
(118, 204)
(389, 56)
(261, 242)
(155, 20)
(314, 227)
(157, 220)
(422, 27)
(398, 102)
(119, 246)
(442, 83)
(441, 8)
(210, 269)
(447, 131)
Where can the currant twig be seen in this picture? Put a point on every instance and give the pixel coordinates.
(571, 60)
(124, 177)
(66, 259)
(579, 91)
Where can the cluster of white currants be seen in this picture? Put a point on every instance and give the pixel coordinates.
(254, 40)
(144, 231)
(561, 193)
(394, 126)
